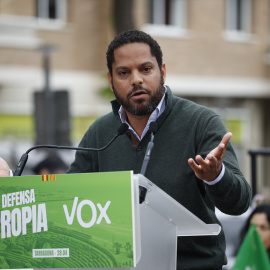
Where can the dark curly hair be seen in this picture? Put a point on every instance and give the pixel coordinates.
(132, 36)
(264, 208)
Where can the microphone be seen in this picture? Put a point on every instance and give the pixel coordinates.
(121, 130)
(152, 129)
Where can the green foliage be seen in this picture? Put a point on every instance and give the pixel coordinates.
(106, 91)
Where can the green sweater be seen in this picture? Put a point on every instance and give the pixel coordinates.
(185, 129)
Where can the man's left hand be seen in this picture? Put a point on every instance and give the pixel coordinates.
(208, 169)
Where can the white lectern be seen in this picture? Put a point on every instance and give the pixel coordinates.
(159, 220)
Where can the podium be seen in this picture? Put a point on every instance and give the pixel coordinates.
(159, 220)
(77, 221)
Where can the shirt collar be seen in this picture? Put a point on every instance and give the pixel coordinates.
(153, 117)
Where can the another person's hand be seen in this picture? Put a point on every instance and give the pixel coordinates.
(208, 169)
(4, 168)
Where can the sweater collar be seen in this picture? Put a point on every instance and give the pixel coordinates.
(162, 117)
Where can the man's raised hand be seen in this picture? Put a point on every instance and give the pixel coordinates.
(208, 169)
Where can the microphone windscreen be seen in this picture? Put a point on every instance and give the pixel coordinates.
(123, 128)
(153, 127)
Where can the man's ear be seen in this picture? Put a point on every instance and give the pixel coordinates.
(163, 71)
(110, 80)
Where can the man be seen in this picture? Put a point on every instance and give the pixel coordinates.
(184, 130)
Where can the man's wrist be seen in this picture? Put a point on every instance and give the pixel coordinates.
(218, 178)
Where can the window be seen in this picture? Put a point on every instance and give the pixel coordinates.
(169, 12)
(238, 19)
(167, 17)
(51, 9)
(239, 15)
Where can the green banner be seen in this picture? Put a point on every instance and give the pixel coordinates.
(252, 254)
(67, 221)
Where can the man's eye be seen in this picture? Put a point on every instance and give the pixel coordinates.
(147, 69)
(122, 73)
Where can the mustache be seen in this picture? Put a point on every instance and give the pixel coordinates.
(136, 88)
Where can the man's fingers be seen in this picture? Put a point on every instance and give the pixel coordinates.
(210, 167)
(200, 166)
(221, 149)
(226, 138)
(193, 164)
(203, 163)
(211, 160)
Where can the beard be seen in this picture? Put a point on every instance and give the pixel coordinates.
(140, 108)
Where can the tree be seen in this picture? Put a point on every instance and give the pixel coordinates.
(123, 15)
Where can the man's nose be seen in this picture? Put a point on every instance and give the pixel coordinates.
(136, 78)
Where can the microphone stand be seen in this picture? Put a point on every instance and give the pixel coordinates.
(152, 129)
(122, 129)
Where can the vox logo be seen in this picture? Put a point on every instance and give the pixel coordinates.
(77, 208)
